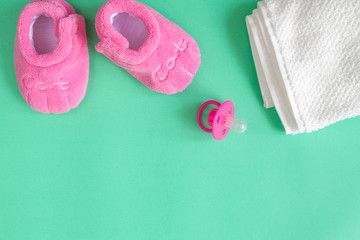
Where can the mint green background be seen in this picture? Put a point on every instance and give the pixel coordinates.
(132, 164)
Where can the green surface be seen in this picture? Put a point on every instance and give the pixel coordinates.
(132, 164)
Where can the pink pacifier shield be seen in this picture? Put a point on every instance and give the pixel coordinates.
(226, 110)
(219, 119)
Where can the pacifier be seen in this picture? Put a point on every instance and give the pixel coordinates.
(221, 119)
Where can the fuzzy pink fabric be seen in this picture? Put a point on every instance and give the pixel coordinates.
(167, 60)
(53, 82)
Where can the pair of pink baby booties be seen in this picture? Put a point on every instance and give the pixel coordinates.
(52, 60)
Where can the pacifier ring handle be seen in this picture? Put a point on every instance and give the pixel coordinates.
(201, 109)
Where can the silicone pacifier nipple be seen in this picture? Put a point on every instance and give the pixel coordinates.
(238, 125)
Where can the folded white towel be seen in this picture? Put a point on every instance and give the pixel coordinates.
(307, 56)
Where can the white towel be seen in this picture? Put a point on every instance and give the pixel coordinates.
(307, 56)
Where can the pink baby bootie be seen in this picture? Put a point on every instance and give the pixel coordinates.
(51, 56)
(151, 48)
